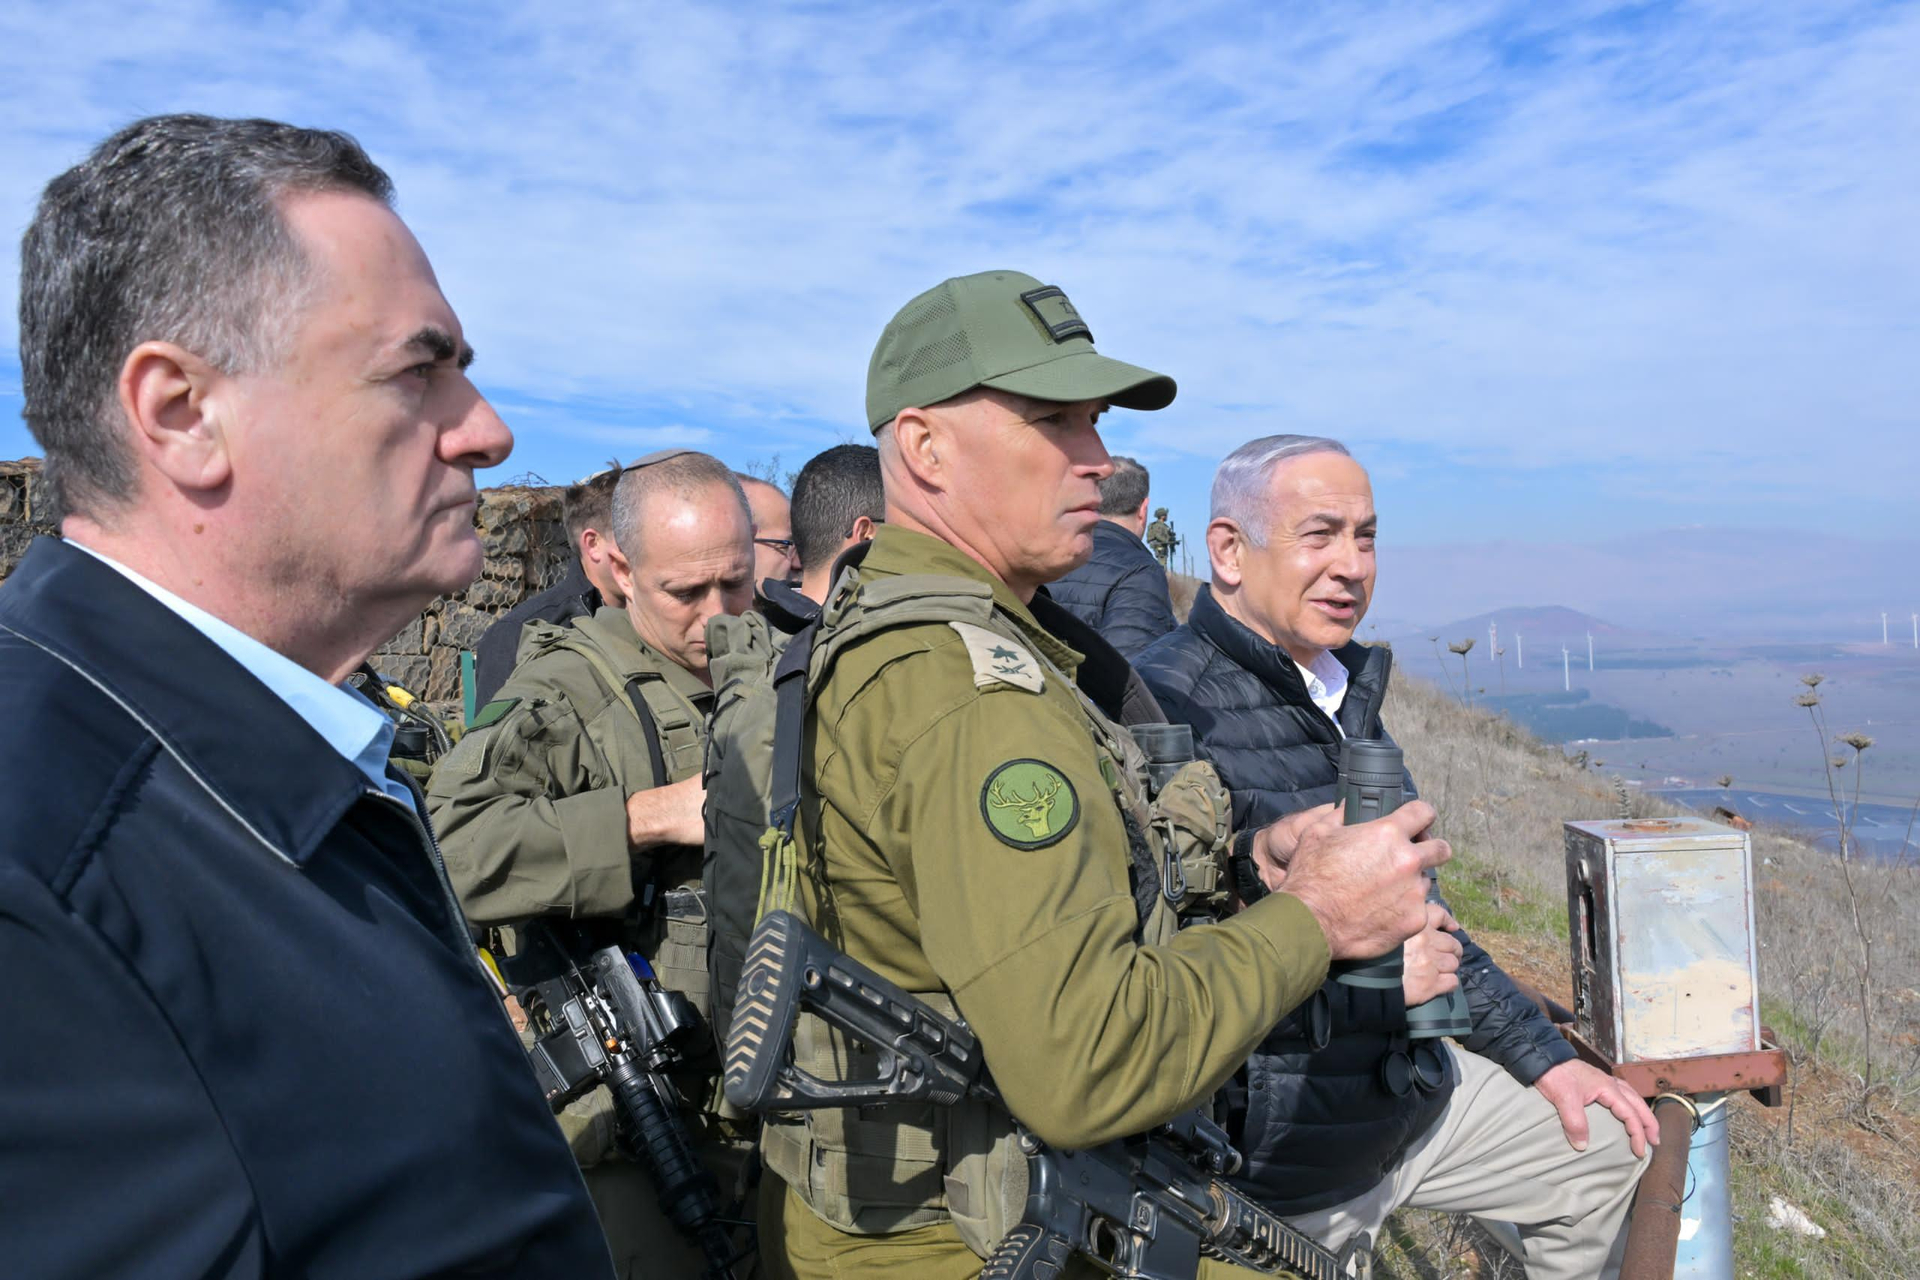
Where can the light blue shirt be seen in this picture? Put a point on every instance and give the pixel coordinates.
(349, 722)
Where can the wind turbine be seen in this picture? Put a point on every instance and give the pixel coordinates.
(1883, 626)
(1916, 630)
(1589, 650)
(1566, 669)
(1520, 651)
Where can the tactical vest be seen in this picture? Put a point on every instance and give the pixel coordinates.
(673, 925)
(903, 1166)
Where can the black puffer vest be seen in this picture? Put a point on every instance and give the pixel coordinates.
(1315, 1123)
(1121, 592)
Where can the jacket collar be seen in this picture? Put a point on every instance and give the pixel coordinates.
(609, 630)
(261, 761)
(1108, 531)
(782, 605)
(896, 549)
(1275, 667)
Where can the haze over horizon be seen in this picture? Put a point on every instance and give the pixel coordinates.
(1567, 278)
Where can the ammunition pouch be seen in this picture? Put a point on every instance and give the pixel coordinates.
(680, 956)
(879, 1170)
(1191, 817)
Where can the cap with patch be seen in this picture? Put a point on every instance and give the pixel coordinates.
(1004, 330)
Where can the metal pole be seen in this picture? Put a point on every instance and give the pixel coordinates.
(1706, 1218)
(1658, 1203)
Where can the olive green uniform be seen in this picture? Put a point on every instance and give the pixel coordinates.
(1160, 538)
(969, 846)
(531, 812)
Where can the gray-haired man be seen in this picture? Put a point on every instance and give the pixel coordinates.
(247, 1033)
(1342, 1117)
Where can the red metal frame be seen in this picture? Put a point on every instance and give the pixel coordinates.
(1760, 1072)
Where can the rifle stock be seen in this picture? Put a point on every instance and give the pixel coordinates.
(789, 967)
(1149, 1206)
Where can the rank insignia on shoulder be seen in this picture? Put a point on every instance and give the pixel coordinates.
(1029, 804)
(998, 660)
(492, 712)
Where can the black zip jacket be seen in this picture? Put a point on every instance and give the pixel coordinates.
(247, 1034)
(1314, 1122)
(1121, 592)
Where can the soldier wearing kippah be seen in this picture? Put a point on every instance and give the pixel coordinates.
(577, 793)
(971, 805)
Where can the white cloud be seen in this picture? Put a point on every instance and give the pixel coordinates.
(1673, 242)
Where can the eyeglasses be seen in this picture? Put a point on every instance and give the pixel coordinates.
(783, 545)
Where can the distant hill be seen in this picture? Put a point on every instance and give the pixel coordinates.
(1502, 797)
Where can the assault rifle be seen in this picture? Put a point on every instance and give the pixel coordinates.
(1148, 1207)
(609, 1021)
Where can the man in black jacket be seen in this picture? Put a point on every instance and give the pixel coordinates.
(247, 1031)
(1121, 592)
(1336, 1132)
(587, 511)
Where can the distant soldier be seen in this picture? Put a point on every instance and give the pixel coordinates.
(1161, 537)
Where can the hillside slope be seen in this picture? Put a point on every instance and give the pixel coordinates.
(1847, 1149)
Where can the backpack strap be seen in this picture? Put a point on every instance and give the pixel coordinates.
(789, 726)
(779, 852)
(650, 730)
(633, 687)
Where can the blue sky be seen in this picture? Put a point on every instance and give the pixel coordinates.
(1558, 273)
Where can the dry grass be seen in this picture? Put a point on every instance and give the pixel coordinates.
(1850, 1160)
(1182, 589)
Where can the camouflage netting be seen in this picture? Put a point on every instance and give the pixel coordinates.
(520, 529)
(22, 502)
(527, 552)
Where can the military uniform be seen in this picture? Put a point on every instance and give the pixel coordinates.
(531, 812)
(1160, 537)
(965, 824)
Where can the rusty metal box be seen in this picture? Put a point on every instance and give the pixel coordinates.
(1664, 958)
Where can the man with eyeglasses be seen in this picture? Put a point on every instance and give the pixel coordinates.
(577, 792)
(773, 554)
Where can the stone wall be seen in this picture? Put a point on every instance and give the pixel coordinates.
(527, 552)
(520, 529)
(23, 503)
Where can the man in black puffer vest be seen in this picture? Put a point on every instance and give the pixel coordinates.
(1122, 591)
(1267, 673)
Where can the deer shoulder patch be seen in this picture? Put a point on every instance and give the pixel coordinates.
(1028, 804)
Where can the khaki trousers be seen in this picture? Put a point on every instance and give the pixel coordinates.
(1498, 1152)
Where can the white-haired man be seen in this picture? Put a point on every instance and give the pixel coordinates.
(1342, 1117)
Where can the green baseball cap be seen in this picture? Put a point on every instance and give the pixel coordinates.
(1004, 330)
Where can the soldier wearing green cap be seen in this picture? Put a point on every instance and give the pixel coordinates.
(971, 819)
